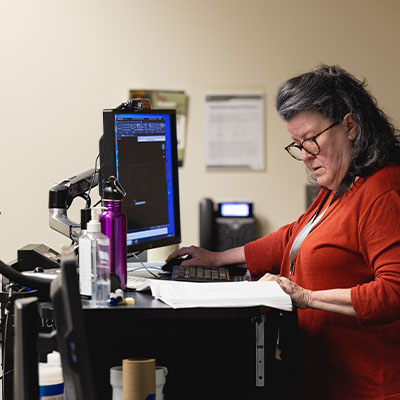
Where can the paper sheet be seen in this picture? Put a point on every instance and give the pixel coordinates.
(234, 130)
(219, 294)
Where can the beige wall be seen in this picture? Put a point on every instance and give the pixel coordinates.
(63, 61)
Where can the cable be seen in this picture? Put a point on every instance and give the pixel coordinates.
(143, 265)
(28, 281)
(148, 268)
(87, 198)
(6, 373)
(88, 201)
(133, 254)
(97, 203)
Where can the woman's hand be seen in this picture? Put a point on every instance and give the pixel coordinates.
(199, 256)
(301, 298)
(196, 256)
(333, 300)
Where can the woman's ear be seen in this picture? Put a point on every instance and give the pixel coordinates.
(351, 125)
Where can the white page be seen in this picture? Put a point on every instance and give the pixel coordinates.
(218, 294)
(234, 130)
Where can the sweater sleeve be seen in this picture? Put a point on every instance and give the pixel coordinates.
(265, 254)
(378, 301)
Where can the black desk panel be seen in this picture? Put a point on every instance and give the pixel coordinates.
(210, 353)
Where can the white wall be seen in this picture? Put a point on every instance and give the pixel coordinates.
(63, 61)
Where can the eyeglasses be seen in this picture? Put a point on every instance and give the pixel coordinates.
(310, 145)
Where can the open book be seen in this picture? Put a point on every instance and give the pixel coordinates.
(231, 294)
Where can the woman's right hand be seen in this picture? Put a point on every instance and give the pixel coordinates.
(196, 256)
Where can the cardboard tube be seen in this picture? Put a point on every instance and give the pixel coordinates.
(138, 378)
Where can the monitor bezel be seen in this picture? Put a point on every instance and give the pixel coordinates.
(108, 168)
(71, 336)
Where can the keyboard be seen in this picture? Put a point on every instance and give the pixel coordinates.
(200, 274)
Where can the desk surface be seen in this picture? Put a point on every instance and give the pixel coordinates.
(147, 307)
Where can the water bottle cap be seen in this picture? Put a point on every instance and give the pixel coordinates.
(113, 190)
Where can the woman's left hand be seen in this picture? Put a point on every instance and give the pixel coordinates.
(300, 297)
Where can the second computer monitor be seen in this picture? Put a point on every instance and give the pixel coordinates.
(140, 149)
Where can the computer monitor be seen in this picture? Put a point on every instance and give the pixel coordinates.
(26, 376)
(71, 333)
(139, 148)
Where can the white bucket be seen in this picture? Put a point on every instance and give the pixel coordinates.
(51, 382)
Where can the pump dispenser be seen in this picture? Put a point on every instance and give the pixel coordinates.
(86, 216)
(94, 261)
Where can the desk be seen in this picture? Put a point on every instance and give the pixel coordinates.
(210, 353)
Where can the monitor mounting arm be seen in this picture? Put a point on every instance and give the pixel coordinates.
(61, 196)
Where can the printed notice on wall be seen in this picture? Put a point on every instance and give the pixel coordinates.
(234, 130)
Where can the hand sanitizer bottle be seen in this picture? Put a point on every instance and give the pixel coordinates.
(94, 262)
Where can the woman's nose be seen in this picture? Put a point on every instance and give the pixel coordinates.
(305, 155)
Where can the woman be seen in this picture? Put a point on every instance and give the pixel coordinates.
(340, 261)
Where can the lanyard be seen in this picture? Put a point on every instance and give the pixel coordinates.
(294, 251)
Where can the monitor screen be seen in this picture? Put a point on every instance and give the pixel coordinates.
(140, 150)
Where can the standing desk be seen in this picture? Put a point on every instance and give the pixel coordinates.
(210, 353)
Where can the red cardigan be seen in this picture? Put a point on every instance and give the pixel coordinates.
(355, 245)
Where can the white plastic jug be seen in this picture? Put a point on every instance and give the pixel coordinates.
(161, 374)
(51, 382)
(116, 382)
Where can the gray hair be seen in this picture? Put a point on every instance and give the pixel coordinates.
(333, 92)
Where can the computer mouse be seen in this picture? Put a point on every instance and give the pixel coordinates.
(169, 265)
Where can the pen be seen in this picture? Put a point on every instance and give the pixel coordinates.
(119, 295)
(116, 299)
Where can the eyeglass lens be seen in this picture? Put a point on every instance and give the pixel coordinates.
(309, 145)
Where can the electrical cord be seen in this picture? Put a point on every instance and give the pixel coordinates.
(88, 200)
(97, 203)
(5, 373)
(143, 266)
(23, 280)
